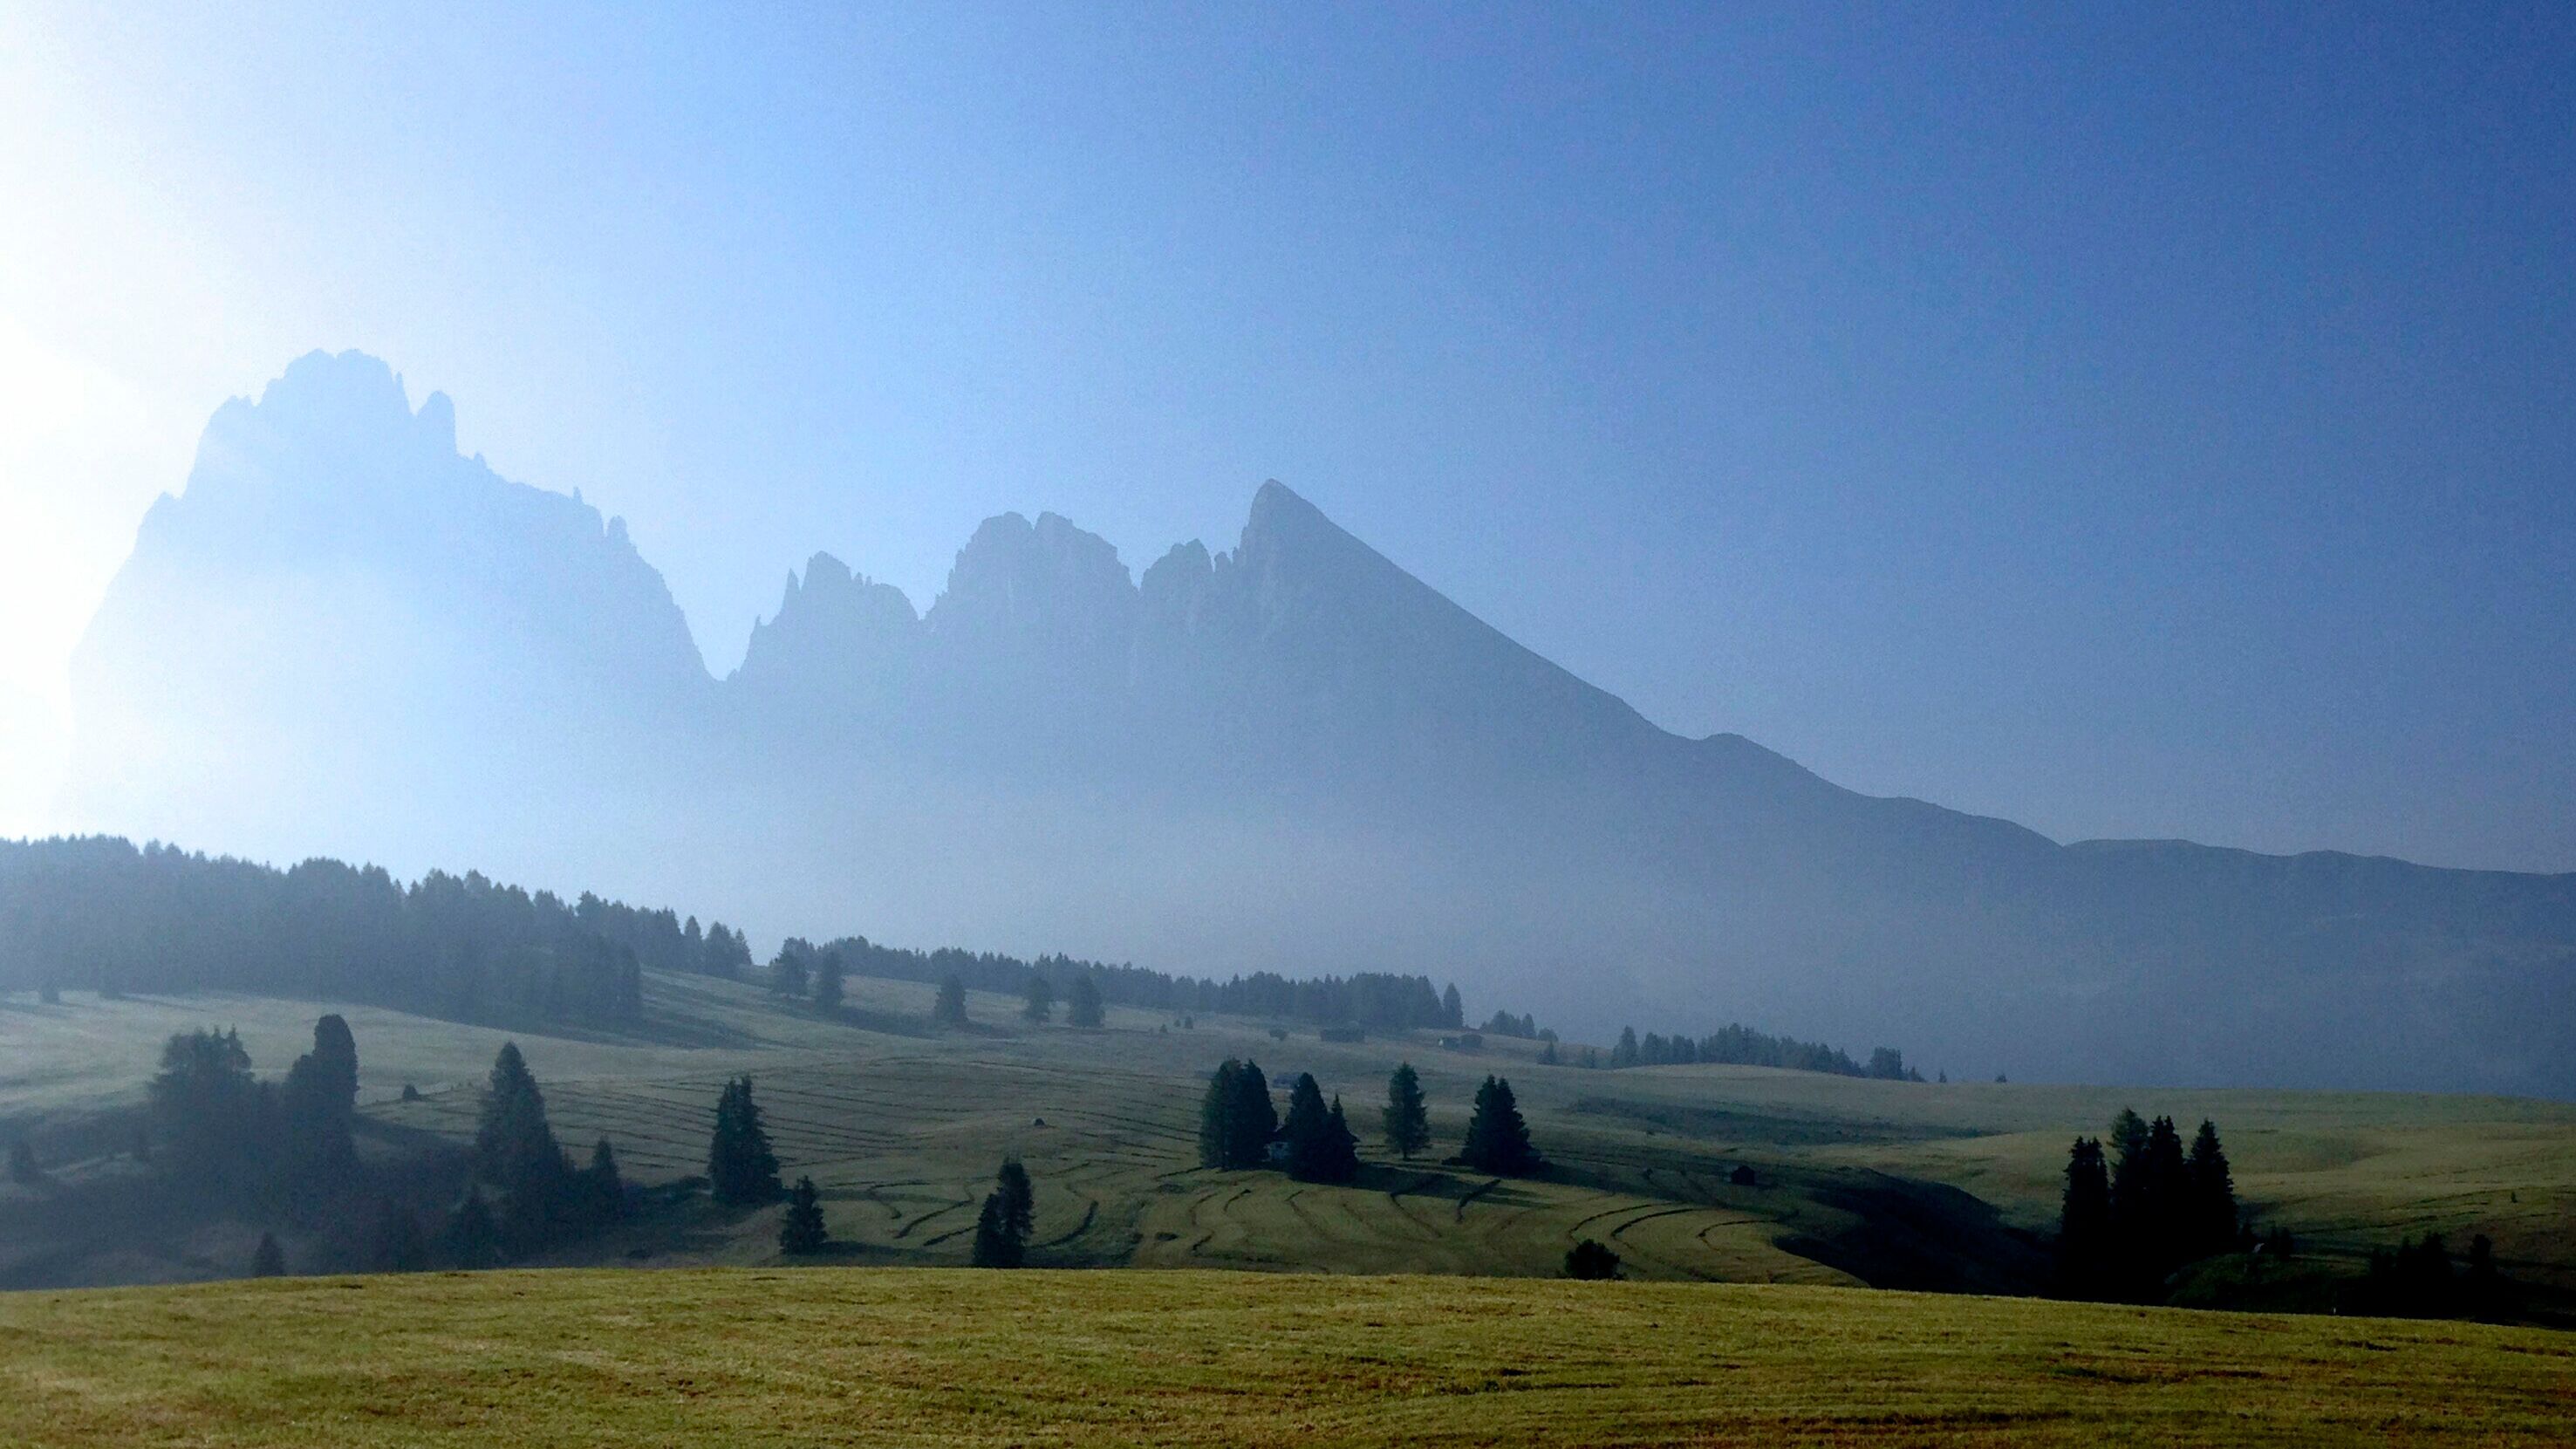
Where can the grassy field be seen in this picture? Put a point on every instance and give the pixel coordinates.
(908, 1356)
(1894, 1184)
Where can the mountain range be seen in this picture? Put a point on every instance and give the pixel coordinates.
(345, 638)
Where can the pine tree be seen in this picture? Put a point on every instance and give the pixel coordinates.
(602, 1192)
(2169, 1206)
(1216, 1116)
(1547, 1054)
(1019, 1200)
(787, 974)
(802, 1230)
(1251, 1119)
(828, 982)
(1305, 1129)
(741, 1169)
(950, 1009)
(270, 1260)
(319, 1104)
(1339, 1160)
(1039, 999)
(1625, 1053)
(1497, 1139)
(2084, 1221)
(993, 1245)
(1082, 1002)
(2212, 1193)
(515, 1151)
(1407, 1121)
(2132, 1209)
(1453, 1012)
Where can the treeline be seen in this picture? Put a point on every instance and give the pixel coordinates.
(98, 913)
(1240, 1127)
(1738, 1045)
(1383, 1000)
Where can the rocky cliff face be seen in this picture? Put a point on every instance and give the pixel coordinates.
(1289, 755)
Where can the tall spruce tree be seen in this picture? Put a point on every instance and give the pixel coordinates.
(1406, 1119)
(472, 1240)
(2211, 1191)
(1453, 1011)
(830, 984)
(2084, 1222)
(1305, 1129)
(1019, 1199)
(993, 1246)
(1340, 1157)
(802, 1230)
(320, 1106)
(1498, 1140)
(2168, 1187)
(788, 976)
(1038, 999)
(741, 1169)
(1252, 1120)
(1082, 1002)
(515, 1151)
(950, 1008)
(270, 1259)
(1216, 1116)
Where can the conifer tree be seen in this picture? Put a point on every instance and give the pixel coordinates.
(802, 1230)
(1019, 1200)
(1589, 1259)
(602, 1192)
(1625, 1053)
(1251, 1119)
(1453, 1012)
(515, 1151)
(2212, 1193)
(270, 1259)
(1216, 1116)
(741, 1169)
(2130, 1208)
(950, 1009)
(1038, 999)
(1407, 1121)
(319, 1103)
(829, 986)
(2084, 1221)
(1082, 1002)
(1498, 1140)
(993, 1245)
(1305, 1129)
(1340, 1159)
(787, 973)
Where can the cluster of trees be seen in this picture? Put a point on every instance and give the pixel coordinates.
(543, 1198)
(96, 912)
(2418, 1280)
(1239, 1125)
(662, 941)
(1523, 1027)
(2133, 1216)
(1738, 1045)
(1383, 1000)
(742, 1168)
(290, 1146)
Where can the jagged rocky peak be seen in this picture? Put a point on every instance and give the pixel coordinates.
(1048, 580)
(829, 621)
(1175, 590)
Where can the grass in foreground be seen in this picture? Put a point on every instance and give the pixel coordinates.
(748, 1357)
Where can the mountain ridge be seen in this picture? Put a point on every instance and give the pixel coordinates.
(1290, 754)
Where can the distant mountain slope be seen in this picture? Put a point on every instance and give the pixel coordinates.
(1289, 755)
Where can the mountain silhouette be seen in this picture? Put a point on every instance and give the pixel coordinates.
(1290, 755)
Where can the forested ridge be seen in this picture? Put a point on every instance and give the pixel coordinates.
(98, 913)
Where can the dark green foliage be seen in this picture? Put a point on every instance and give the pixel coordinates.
(471, 1239)
(515, 1151)
(396, 1245)
(1009, 1216)
(1590, 1260)
(1406, 1120)
(1453, 1011)
(1320, 1148)
(1498, 1140)
(207, 1108)
(410, 1092)
(162, 919)
(802, 1230)
(993, 1245)
(1038, 998)
(2211, 1194)
(269, 1260)
(829, 985)
(2084, 1222)
(1547, 1055)
(1236, 1118)
(741, 1168)
(22, 1162)
(1739, 1045)
(599, 1192)
(1082, 1002)
(320, 1105)
(950, 1009)
(788, 973)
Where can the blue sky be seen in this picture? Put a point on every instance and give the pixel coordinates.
(2130, 422)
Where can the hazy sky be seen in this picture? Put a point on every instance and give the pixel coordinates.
(2132, 421)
